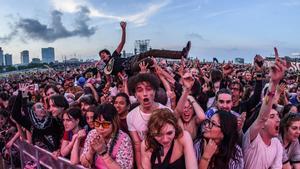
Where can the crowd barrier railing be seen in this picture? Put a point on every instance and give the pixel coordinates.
(41, 158)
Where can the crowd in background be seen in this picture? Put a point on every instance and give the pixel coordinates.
(146, 112)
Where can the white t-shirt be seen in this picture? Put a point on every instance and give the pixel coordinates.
(259, 155)
(137, 120)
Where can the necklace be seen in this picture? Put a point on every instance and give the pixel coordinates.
(142, 115)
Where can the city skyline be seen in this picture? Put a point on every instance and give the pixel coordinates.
(80, 28)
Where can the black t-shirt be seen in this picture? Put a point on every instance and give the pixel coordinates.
(118, 63)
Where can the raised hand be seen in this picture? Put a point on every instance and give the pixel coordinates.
(188, 80)
(123, 24)
(81, 134)
(23, 87)
(123, 76)
(278, 69)
(227, 69)
(144, 67)
(258, 63)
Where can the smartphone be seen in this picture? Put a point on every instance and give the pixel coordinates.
(36, 87)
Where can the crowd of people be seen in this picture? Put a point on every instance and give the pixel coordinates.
(147, 112)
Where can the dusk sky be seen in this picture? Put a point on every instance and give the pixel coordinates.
(217, 28)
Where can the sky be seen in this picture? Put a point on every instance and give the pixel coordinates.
(224, 29)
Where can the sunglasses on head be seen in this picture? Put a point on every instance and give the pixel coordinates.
(104, 124)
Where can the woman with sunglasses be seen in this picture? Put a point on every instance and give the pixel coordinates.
(289, 135)
(217, 146)
(107, 146)
(166, 145)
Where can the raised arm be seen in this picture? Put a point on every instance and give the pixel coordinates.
(276, 74)
(123, 38)
(23, 120)
(197, 108)
(188, 82)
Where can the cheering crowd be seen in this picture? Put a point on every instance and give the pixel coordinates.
(146, 112)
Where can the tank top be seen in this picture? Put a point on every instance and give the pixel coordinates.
(179, 163)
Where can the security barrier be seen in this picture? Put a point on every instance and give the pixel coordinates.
(41, 158)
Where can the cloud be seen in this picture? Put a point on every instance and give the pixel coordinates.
(7, 38)
(34, 29)
(195, 36)
(139, 19)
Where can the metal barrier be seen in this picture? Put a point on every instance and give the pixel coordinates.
(42, 158)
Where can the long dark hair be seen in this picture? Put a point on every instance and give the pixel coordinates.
(227, 147)
(109, 113)
(75, 113)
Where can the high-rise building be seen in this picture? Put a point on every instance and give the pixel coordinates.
(8, 59)
(1, 57)
(48, 55)
(36, 60)
(25, 57)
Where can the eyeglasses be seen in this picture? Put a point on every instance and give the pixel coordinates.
(104, 124)
(210, 123)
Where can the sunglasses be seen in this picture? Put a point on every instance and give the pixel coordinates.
(104, 124)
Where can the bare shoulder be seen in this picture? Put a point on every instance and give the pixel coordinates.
(185, 138)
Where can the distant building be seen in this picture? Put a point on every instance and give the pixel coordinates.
(73, 60)
(141, 46)
(8, 59)
(239, 60)
(1, 57)
(36, 60)
(48, 55)
(25, 57)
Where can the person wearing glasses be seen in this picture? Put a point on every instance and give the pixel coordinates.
(289, 136)
(166, 145)
(107, 146)
(46, 129)
(217, 146)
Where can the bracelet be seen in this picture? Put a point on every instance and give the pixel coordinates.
(205, 158)
(271, 94)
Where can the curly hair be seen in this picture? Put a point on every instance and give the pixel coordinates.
(157, 121)
(143, 77)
